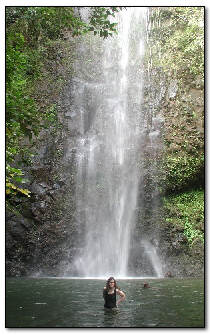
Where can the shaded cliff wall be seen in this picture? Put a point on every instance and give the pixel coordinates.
(37, 227)
(176, 75)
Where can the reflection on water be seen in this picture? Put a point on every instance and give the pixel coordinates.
(49, 302)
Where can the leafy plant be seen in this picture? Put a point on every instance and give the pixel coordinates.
(191, 233)
(187, 209)
(182, 171)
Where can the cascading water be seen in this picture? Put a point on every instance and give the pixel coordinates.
(107, 95)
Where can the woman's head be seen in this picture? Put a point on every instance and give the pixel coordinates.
(111, 282)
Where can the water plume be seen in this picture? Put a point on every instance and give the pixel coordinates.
(107, 95)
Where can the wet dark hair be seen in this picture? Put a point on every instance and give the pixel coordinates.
(107, 283)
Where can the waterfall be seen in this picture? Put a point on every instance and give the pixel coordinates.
(107, 97)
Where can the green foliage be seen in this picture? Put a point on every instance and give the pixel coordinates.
(176, 40)
(22, 117)
(100, 23)
(29, 33)
(182, 171)
(191, 233)
(41, 23)
(51, 116)
(187, 210)
(180, 49)
(14, 174)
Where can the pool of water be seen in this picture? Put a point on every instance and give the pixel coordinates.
(64, 302)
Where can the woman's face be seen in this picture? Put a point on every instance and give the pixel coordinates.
(111, 283)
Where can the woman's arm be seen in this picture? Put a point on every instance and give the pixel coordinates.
(122, 296)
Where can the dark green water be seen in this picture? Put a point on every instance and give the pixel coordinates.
(51, 302)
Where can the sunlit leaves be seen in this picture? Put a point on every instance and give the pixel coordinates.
(14, 178)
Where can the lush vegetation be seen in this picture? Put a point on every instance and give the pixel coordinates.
(31, 37)
(183, 172)
(176, 40)
(178, 36)
(177, 48)
(186, 210)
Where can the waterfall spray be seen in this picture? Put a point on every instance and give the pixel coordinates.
(111, 132)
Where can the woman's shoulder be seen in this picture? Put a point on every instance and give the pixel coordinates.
(104, 287)
(118, 290)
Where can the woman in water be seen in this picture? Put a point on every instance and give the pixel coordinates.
(109, 293)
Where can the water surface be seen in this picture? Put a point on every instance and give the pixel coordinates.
(59, 302)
